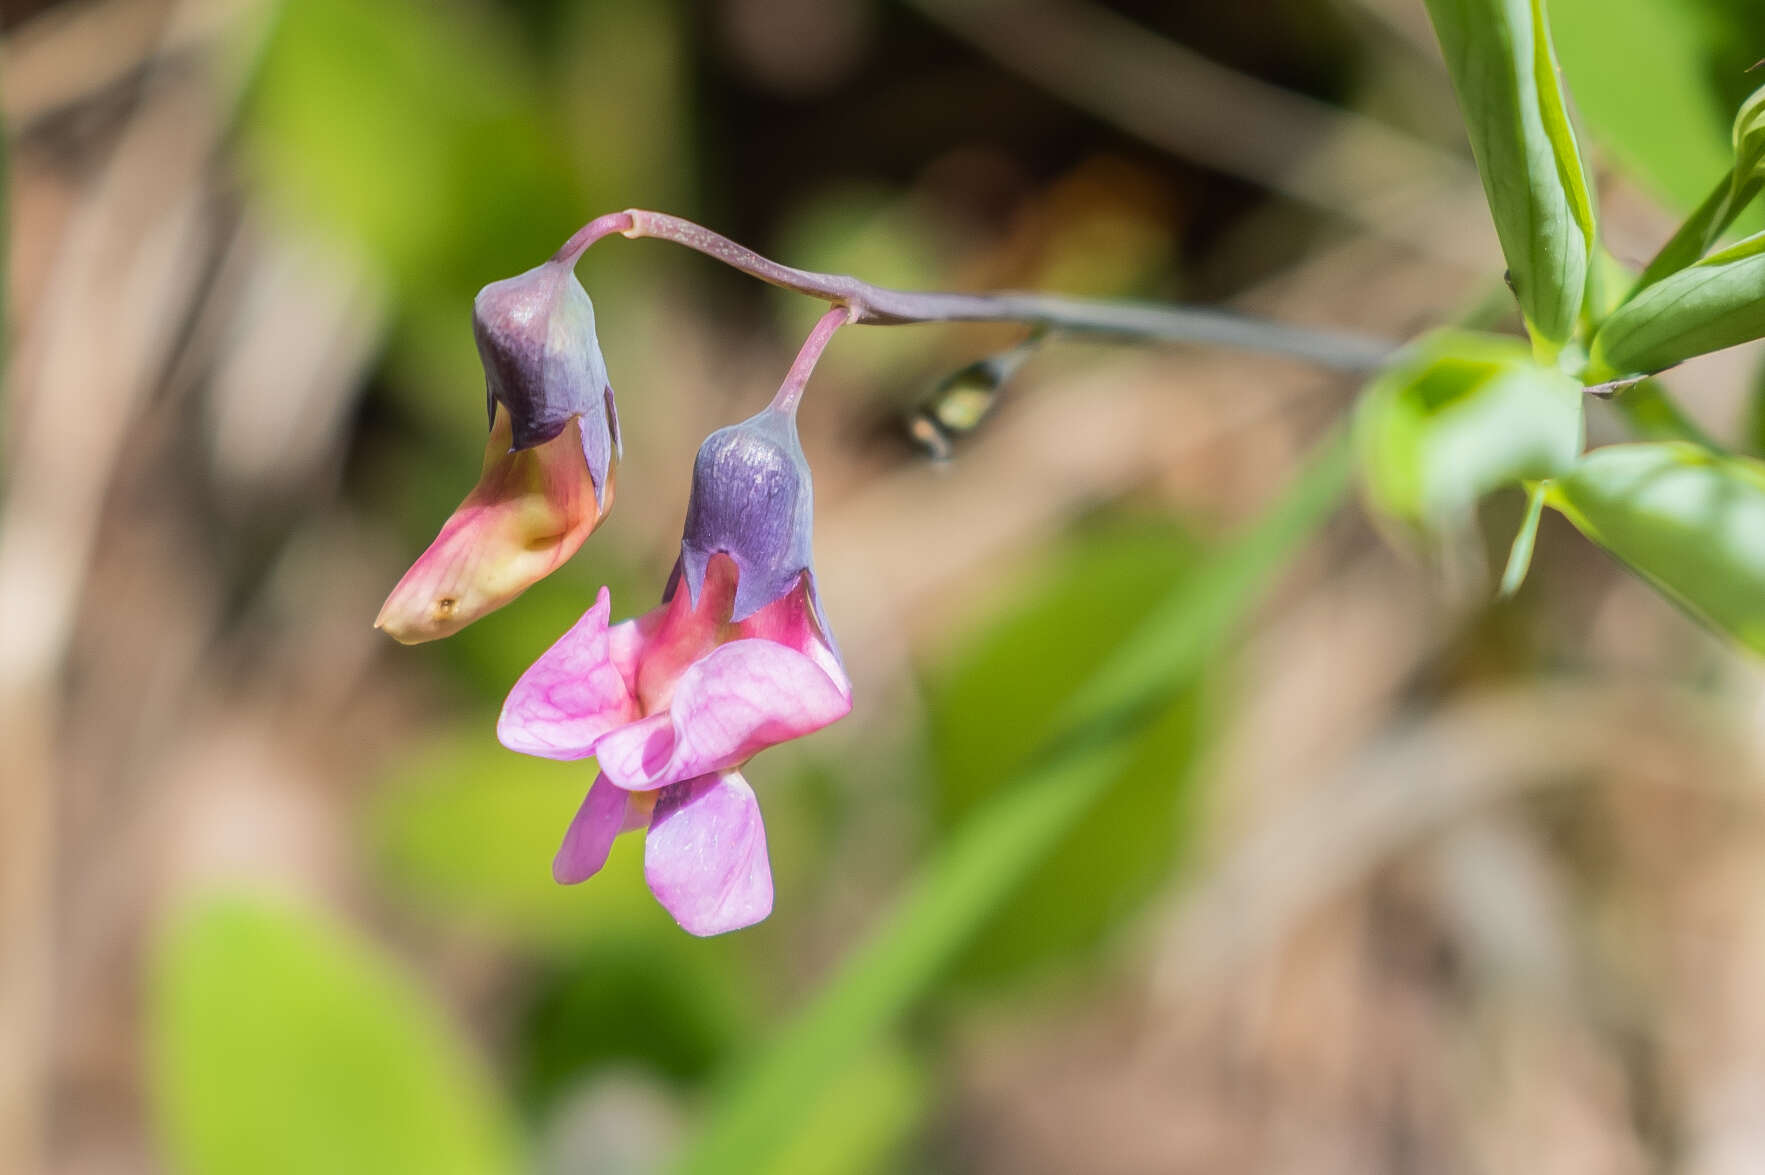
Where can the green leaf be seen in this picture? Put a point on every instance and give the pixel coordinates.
(757, 1113)
(1504, 72)
(1690, 521)
(280, 1044)
(991, 702)
(1458, 415)
(1718, 302)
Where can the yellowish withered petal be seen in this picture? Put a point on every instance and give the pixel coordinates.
(528, 514)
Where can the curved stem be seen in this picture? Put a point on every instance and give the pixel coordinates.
(588, 234)
(872, 305)
(790, 393)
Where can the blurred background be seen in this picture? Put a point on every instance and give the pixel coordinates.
(1402, 881)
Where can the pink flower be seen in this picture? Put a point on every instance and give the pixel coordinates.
(548, 470)
(672, 704)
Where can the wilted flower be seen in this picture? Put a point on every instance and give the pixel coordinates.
(672, 703)
(548, 468)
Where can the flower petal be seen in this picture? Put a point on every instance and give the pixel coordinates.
(603, 816)
(683, 631)
(571, 696)
(705, 857)
(794, 620)
(529, 512)
(737, 700)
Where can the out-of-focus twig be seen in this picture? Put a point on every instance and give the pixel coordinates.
(1168, 95)
(74, 53)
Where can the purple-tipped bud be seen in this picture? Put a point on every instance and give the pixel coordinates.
(752, 500)
(543, 363)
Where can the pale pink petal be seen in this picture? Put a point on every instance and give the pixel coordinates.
(604, 814)
(705, 856)
(639, 755)
(625, 646)
(737, 700)
(569, 697)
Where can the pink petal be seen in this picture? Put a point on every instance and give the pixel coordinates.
(625, 646)
(705, 857)
(571, 696)
(794, 621)
(679, 633)
(603, 816)
(737, 700)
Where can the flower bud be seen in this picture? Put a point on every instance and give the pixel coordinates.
(751, 499)
(548, 468)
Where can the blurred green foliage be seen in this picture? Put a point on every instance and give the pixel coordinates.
(1646, 76)
(468, 830)
(990, 709)
(660, 1001)
(280, 1044)
(396, 125)
(859, 1122)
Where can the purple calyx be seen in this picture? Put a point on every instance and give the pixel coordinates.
(542, 361)
(752, 499)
